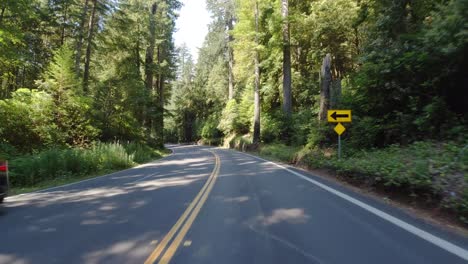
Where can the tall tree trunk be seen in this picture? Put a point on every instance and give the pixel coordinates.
(256, 133)
(160, 120)
(149, 59)
(65, 17)
(88, 48)
(287, 100)
(137, 51)
(79, 44)
(326, 80)
(231, 58)
(149, 71)
(356, 40)
(1, 14)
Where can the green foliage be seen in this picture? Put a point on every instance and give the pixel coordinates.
(229, 118)
(411, 74)
(210, 131)
(246, 112)
(436, 169)
(241, 143)
(365, 132)
(319, 134)
(271, 127)
(279, 152)
(302, 123)
(26, 120)
(56, 163)
(7, 151)
(70, 109)
(59, 163)
(142, 153)
(42, 45)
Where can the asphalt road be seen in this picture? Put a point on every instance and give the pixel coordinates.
(207, 205)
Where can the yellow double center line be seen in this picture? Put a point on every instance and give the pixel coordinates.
(189, 213)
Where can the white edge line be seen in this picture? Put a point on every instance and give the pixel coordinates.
(91, 179)
(444, 244)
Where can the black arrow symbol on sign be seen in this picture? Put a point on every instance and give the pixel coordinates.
(335, 115)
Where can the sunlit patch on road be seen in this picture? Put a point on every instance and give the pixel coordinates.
(292, 216)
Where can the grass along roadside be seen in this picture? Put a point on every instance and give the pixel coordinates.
(55, 167)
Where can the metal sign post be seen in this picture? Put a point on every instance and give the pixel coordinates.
(339, 146)
(339, 116)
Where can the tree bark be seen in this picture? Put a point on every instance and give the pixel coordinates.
(137, 52)
(326, 80)
(79, 44)
(149, 72)
(65, 15)
(287, 100)
(231, 59)
(88, 48)
(2, 14)
(160, 119)
(256, 133)
(149, 59)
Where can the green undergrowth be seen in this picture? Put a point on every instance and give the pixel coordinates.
(279, 152)
(58, 166)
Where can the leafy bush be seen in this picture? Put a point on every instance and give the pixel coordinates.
(55, 163)
(422, 168)
(7, 151)
(270, 128)
(228, 122)
(279, 152)
(246, 113)
(319, 134)
(301, 127)
(141, 153)
(26, 120)
(210, 132)
(363, 132)
(241, 143)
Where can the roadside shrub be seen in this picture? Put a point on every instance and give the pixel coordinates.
(228, 122)
(271, 128)
(280, 152)
(318, 135)
(363, 133)
(301, 127)
(210, 133)
(241, 143)
(56, 163)
(141, 153)
(7, 151)
(437, 170)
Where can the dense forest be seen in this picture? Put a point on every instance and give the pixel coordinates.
(73, 72)
(100, 76)
(400, 65)
(83, 84)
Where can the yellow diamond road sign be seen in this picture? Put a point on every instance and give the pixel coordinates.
(339, 129)
(339, 116)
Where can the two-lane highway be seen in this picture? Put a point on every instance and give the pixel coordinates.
(207, 205)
